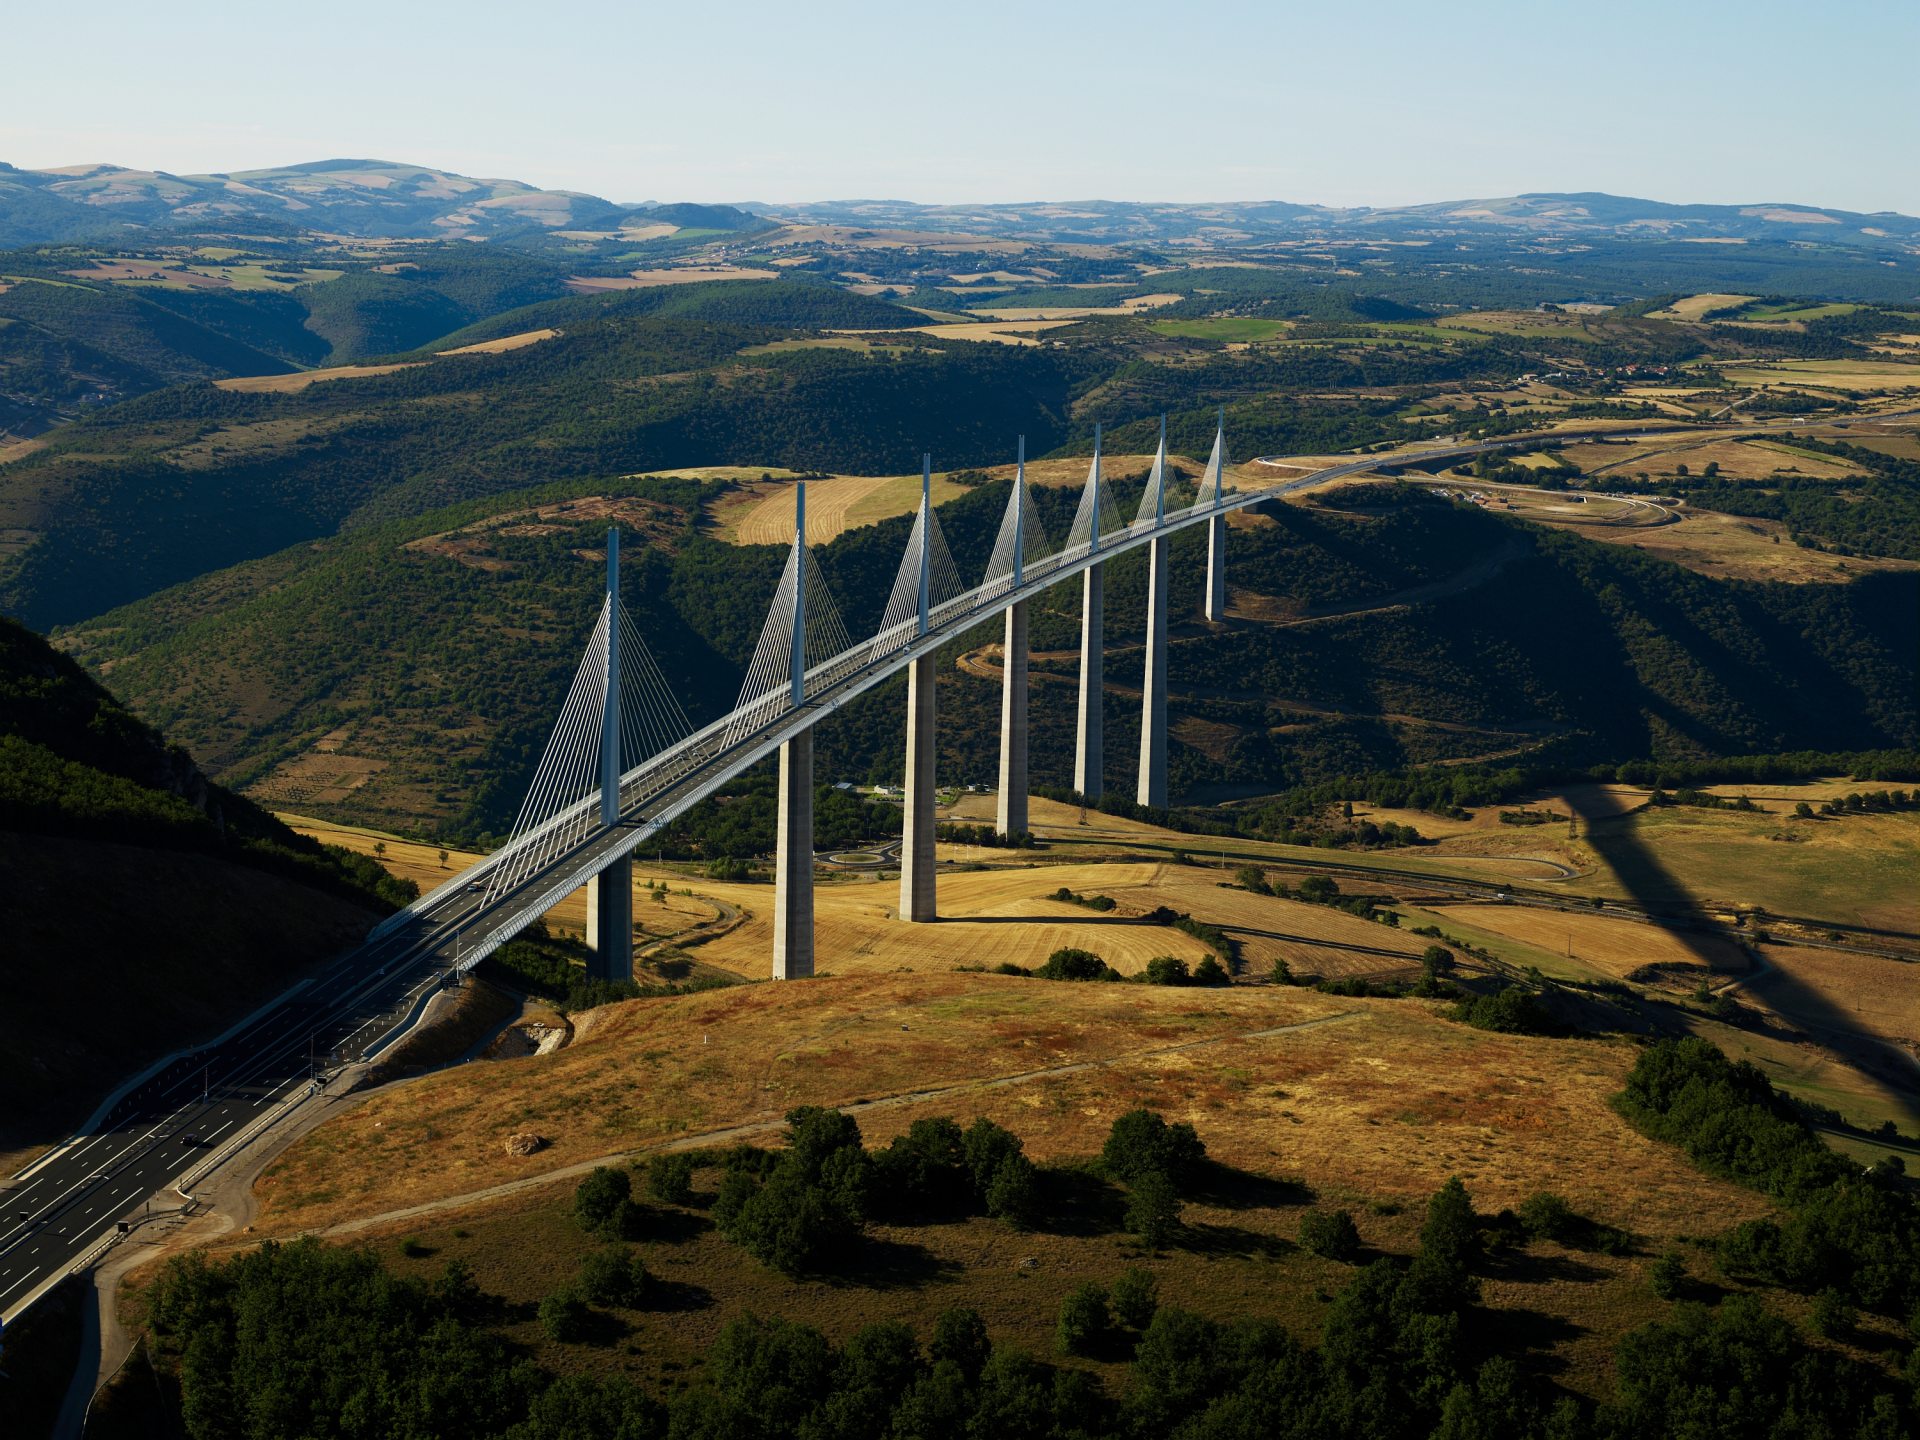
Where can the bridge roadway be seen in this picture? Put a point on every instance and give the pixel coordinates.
(181, 1122)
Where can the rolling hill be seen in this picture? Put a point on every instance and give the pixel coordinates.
(147, 907)
(405, 674)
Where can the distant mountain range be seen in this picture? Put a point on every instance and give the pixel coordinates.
(362, 198)
(375, 198)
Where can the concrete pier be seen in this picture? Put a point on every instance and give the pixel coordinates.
(1012, 815)
(1216, 606)
(610, 921)
(1152, 788)
(917, 899)
(793, 863)
(1089, 754)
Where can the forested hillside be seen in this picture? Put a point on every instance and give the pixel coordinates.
(439, 657)
(162, 903)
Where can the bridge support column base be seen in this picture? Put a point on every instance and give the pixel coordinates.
(917, 897)
(610, 921)
(793, 863)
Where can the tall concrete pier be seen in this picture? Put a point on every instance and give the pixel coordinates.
(1012, 815)
(793, 863)
(1212, 489)
(610, 893)
(793, 859)
(917, 899)
(1152, 787)
(1089, 753)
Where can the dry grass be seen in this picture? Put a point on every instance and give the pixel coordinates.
(1012, 331)
(504, 343)
(300, 379)
(1611, 946)
(1138, 304)
(1694, 306)
(679, 275)
(1817, 987)
(988, 917)
(1387, 1103)
(1829, 374)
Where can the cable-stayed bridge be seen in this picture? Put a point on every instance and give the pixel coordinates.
(623, 761)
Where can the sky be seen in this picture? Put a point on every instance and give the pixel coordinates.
(1366, 102)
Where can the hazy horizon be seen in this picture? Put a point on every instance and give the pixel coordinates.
(1392, 104)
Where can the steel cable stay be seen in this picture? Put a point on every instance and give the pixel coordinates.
(659, 744)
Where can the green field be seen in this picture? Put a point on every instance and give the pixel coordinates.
(1224, 327)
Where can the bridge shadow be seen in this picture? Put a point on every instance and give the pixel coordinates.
(1614, 835)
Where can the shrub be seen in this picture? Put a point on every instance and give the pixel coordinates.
(1330, 1234)
(1832, 1318)
(670, 1177)
(1136, 1295)
(564, 1317)
(1153, 1209)
(1668, 1277)
(413, 1248)
(603, 1203)
(1083, 1320)
(1142, 1142)
(1510, 1010)
(1282, 972)
(613, 1276)
(1211, 972)
(1068, 963)
(1547, 1217)
(1166, 970)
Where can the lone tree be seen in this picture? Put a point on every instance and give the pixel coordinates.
(1083, 1320)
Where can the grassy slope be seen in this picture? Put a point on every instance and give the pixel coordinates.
(1380, 1105)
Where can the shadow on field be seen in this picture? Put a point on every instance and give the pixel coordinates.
(881, 1264)
(1078, 1202)
(1227, 1188)
(1667, 901)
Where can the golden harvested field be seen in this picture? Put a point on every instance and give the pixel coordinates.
(1829, 374)
(300, 379)
(1824, 990)
(834, 506)
(1604, 943)
(1001, 332)
(762, 514)
(504, 343)
(1854, 869)
(988, 917)
(1134, 306)
(678, 275)
(1385, 1098)
(1694, 306)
